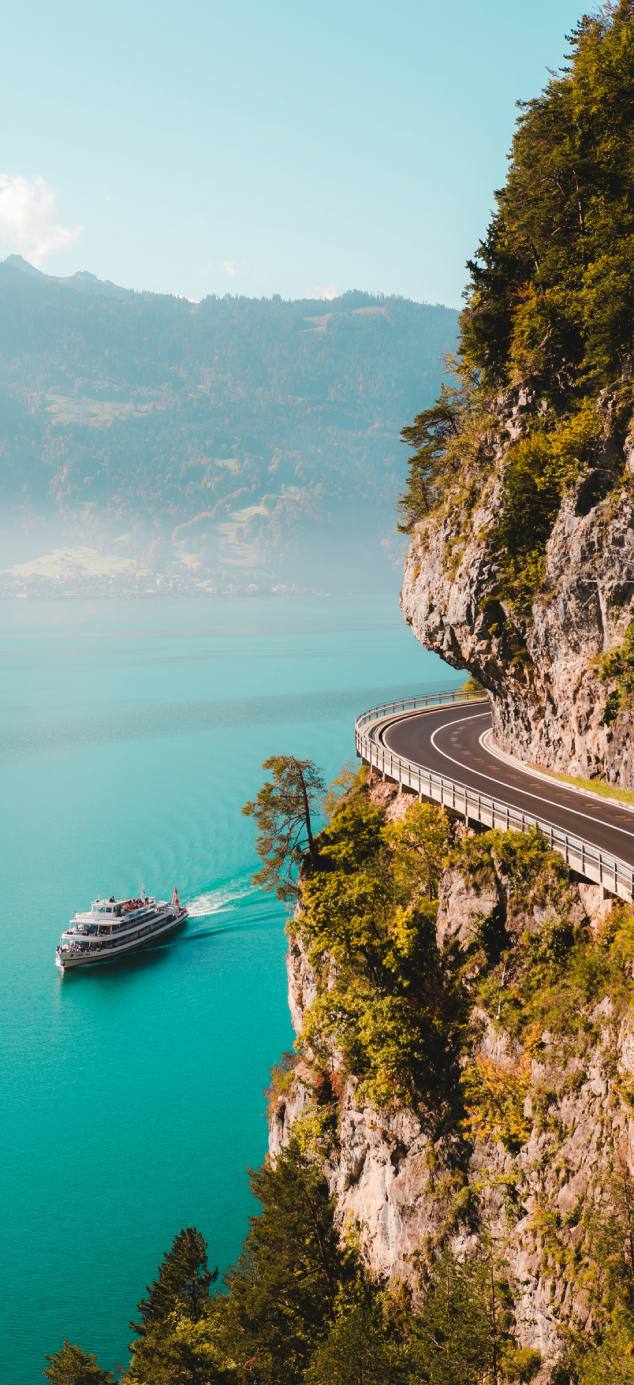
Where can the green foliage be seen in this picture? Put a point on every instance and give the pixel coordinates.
(552, 286)
(182, 1285)
(168, 1347)
(391, 1044)
(72, 1366)
(533, 874)
(341, 786)
(473, 687)
(282, 1292)
(358, 1351)
(520, 1364)
(548, 323)
(494, 1096)
(354, 832)
(617, 668)
(419, 844)
(179, 1351)
(283, 812)
(537, 470)
(609, 1359)
(464, 1326)
(370, 909)
(554, 975)
(429, 435)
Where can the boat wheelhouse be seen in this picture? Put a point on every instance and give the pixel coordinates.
(113, 927)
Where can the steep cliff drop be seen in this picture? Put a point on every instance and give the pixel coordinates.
(545, 662)
(485, 1106)
(465, 1064)
(520, 495)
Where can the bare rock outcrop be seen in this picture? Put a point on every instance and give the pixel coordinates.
(539, 667)
(405, 1185)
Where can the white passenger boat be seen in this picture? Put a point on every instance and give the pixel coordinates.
(113, 927)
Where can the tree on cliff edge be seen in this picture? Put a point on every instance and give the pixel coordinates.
(283, 811)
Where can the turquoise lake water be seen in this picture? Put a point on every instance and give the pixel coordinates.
(133, 1098)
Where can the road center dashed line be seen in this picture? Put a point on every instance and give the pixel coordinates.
(492, 779)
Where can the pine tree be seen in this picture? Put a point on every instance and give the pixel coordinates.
(357, 1352)
(429, 435)
(457, 1335)
(283, 812)
(178, 1351)
(72, 1366)
(283, 1289)
(178, 1300)
(182, 1285)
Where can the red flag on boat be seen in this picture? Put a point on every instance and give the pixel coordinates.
(175, 899)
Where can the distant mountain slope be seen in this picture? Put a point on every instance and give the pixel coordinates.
(229, 440)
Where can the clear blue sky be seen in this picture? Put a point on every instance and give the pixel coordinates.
(262, 146)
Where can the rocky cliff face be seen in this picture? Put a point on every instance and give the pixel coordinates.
(547, 1136)
(540, 667)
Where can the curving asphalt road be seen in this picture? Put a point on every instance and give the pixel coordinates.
(447, 740)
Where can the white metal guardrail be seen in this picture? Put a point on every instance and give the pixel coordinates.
(582, 856)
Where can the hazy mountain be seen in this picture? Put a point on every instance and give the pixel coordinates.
(231, 440)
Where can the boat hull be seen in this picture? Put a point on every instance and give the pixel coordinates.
(125, 949)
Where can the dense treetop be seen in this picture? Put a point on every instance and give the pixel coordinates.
(548, 322)
(551, 292)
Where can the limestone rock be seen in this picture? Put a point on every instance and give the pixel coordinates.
(405, 1188)
(540, 670)
(462, 910)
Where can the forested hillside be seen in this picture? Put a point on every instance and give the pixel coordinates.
(232, 439)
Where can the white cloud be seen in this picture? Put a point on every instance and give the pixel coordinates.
(329, 292)
(28, 219)
(229, 269)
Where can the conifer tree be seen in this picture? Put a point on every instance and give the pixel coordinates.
(72, 1366)
(283, 1289)
(429, 435)
(182, 1285)
(178, 1351)
(462, 1332)
(357, 1352)
(169, 1350)
(283, 811)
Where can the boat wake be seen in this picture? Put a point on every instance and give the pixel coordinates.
(218, 901)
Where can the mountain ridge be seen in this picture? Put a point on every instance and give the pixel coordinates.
(257, 437)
